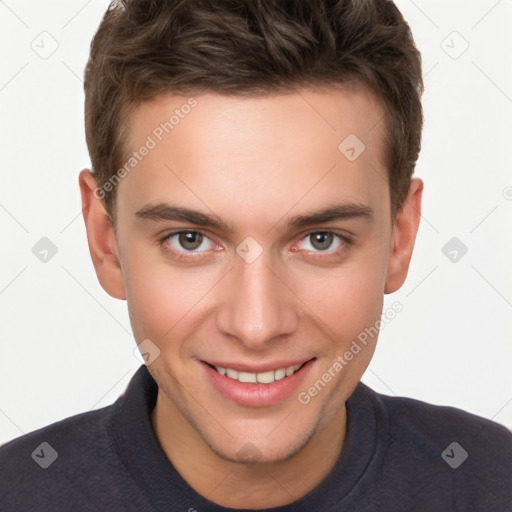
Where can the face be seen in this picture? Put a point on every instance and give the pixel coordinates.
(249, 297)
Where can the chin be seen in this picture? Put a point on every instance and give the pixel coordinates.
(262, 450)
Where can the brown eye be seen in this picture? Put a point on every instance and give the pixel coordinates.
(324, 244)
(321, 240)
(190, 240)
(188, 245)
(187, 241)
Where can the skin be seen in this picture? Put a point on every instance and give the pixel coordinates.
(254, 162)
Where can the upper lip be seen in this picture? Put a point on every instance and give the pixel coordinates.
(258, 368)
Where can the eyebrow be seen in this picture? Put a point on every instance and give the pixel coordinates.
(340, 211)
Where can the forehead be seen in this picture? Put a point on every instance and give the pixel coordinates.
(256, 152)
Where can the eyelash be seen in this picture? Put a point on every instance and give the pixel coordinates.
(346, 242)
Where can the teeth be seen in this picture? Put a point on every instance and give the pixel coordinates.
(292, 369)
(265, 377)
(232, 374)
(246, 377)
(262, 378)
(280, 374)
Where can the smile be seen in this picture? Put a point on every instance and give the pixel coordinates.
(266, 385)
(260, 378)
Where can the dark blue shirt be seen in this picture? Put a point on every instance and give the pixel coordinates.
(399, 455)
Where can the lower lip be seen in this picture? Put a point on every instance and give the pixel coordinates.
(257, 395)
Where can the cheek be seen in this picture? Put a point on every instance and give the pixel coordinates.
(348, 298)
(161, 297)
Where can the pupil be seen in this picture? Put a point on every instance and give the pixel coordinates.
(324, 240)
(187, 240)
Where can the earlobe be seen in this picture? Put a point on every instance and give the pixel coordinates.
(101, 237)
(403, 237)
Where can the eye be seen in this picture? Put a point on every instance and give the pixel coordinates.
(193, 244)
(322, 241)
(186, 241)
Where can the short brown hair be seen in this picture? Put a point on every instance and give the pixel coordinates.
(144, 48)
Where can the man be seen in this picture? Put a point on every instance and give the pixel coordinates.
(252, 200)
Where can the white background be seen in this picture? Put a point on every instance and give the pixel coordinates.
(66, 346)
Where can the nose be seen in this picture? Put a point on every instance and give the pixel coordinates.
(256, 306)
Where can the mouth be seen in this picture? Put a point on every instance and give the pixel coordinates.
(266, 377)
(263, 386)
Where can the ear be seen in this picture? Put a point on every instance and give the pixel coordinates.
(101, 237)
(403, 237)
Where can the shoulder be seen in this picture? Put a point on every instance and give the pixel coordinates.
(446, 453)
(83, 427)
(68, 457)
(429, 423)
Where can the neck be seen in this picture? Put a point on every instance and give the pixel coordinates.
(237, 485)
